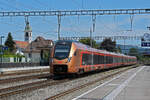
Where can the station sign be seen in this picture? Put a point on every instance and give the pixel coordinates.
(145, 44)
(5, 48)
(145, 40)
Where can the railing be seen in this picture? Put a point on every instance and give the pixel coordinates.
(21, 62)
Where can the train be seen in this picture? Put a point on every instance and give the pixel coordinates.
(69, 57)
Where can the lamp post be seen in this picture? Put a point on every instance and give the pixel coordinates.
(1, 37)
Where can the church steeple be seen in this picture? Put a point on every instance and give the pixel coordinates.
(28, 32)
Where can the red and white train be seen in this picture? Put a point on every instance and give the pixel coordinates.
(74, 58)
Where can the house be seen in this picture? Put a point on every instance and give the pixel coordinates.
(39, 50)
(20, 46)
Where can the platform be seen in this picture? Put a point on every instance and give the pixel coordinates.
(131, 85)
(8, 70)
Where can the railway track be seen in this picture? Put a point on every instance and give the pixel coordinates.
(6, 92)
(57, 96)
(23, 78)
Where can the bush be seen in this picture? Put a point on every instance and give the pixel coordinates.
(11, 55)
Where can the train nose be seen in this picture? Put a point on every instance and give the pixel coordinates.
(60, 68)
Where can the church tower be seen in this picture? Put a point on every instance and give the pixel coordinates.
(28, 33)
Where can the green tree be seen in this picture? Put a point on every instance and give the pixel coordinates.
(87, 41)
(119, 49)
(133, 52)
(10, 43)
(108, 45)
(1, 48)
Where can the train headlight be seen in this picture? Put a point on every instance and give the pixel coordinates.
(69, 59)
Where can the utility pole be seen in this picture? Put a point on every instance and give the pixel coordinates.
(91, 37)
(131, 22)
(91, 45)
(92, 31)
(124, 46)
(1, 37)
(59, 22)
(94, 21)
(26, 19)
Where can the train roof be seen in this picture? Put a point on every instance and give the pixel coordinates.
(88, 48)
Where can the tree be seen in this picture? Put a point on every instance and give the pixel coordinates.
(119, 49)
(108, 45)
(87, 41)
(133, 52)
(10, 43)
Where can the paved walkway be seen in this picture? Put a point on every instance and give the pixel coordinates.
(22, 68)
(131, 85)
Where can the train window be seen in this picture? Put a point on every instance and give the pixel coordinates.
(98, 59)
(108, 59)
(114, 59)
(117, 60)
(84, 59)
(95, 59)
(101, 59)
(61, 51)
(87, 59)
(124, 60)
(111, 59)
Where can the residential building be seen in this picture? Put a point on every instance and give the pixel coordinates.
(39, 50)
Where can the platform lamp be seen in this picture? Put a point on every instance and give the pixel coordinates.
(1, 37)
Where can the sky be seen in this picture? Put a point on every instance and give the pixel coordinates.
(46, 27)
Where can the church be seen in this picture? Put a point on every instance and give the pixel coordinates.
(36, 51)
(21, 45)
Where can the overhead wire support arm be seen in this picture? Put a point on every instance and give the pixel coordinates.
(103, 37)
(76, 12)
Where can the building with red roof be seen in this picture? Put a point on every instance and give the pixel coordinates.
(21, 44)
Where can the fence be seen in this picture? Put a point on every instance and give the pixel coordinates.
(21, 62)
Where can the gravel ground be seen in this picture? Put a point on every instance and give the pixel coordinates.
(19, 83)
(44, 93)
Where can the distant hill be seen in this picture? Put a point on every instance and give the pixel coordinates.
(126, 48)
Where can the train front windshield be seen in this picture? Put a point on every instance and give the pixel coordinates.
(61, 51)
